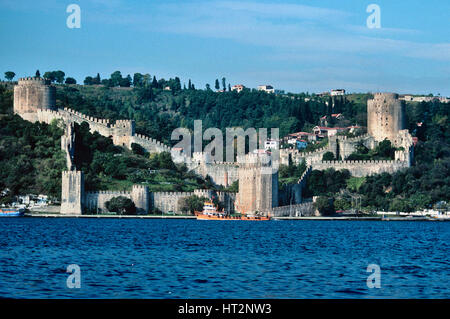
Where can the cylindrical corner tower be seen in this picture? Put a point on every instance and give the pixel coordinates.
(31, 94)
(385, 116)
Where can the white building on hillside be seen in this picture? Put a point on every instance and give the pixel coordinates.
(266, 88)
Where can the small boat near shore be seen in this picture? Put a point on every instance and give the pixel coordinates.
(12, 212)
(210, 212)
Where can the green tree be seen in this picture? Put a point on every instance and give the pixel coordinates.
(50, 75)
(121, 205)
(9, 75)
(191, 204)
(126, 82)
(138, 149)
(88, 80)
(59, 76)
(138, 80)
(97, 79)
(38, 74)
(154, 83)
(116, 78)
(70, 80)
(324, 205)
(217, 85)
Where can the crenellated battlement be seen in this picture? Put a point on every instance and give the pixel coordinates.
(385, 95)
(116, 193)
(307, 154)
(358, 162)
(353, 139)
(33, 80)
(87, 118)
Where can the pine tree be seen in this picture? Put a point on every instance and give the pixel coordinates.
(154, 83)
(217, 85)
(38, 74)
(224, 84)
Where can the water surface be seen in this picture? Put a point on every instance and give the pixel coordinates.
(146, 258)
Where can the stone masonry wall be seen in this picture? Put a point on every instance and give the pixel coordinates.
(362, 168)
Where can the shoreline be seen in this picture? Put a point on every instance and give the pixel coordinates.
(324, 218)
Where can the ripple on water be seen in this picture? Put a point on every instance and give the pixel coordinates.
(191, 259)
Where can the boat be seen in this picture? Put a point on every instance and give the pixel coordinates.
(210, 212)
(12, 212)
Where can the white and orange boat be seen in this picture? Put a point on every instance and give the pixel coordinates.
(210, 212)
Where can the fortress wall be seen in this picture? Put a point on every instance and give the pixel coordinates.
(149, 144)
(168, 201)
(102, 126)
(362, 168)
(95, 201)
(292, 194)
(347, 146)
(297, 156)
(226, 198)
(222, 174)
(304, 209)
(336, 144)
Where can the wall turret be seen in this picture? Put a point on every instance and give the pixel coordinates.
(72, 192)
(123, 130)
(141, 198)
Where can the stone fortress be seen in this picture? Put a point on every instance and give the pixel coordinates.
(35, 100)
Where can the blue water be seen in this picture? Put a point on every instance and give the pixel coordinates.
(122, 258)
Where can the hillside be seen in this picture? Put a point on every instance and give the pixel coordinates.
(157, 112)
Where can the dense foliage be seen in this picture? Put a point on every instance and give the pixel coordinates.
(190, 204)
(107, 166)
(158, 112)
(424, 185)
(159, 106)
(383, 151)
(121, 205)
(31, 159)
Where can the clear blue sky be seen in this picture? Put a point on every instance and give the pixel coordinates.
(298, 46)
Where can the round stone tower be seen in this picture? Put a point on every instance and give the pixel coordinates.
(385, 116)
(31, 94)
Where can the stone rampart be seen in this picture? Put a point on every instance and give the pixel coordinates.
(304, 209)
(95, 202)
(362, 168)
